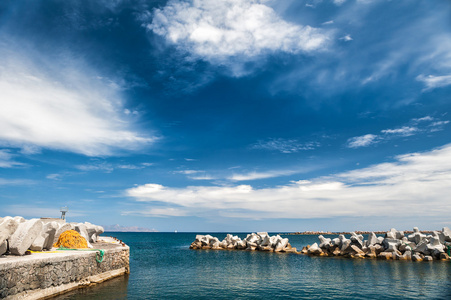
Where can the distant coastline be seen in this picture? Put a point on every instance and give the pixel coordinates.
(119, 228)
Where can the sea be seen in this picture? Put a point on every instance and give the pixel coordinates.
(163, 267)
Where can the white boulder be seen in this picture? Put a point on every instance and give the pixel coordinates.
(24, 236)
(8, 226)
(61, 229)
(3, 247)
(372, 239)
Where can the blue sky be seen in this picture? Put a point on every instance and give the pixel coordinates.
(228, 115)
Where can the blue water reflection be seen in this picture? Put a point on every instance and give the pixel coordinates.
(162, 266)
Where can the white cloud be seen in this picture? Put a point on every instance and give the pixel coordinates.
(362, 141)
(416, 182)
(439, 123)
(261, 175)
(195, 174)
(423, 119)
(403, 131)
(104, 167)
(61, 105)
(346, 38)
(54, 176)
(109, 167)
(187, 172)
(425, 124)
(130, 167)
(202, 177)
(240, 29)
(433, 82)
(9, 181)
(285, 145)
(7, 159)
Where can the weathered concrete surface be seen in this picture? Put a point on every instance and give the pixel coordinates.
(24, 236)
(42, 275)
(8, 226)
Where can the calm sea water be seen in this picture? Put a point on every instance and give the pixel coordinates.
(163, 267)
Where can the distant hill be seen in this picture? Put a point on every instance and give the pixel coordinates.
(119, 228)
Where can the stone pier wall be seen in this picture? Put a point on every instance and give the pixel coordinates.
(42, 275)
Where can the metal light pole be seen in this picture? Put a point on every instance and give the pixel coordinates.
(63, 211)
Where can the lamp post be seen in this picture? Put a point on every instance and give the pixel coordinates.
(63, 211)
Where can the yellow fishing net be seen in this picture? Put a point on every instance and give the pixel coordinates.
(71, 239)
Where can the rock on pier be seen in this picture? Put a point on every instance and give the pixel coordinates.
(46, 271)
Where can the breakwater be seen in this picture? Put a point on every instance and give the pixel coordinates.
(260, 241)
(395, 244)
(32, 268)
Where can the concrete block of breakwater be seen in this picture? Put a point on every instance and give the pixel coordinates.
(444, 256)
(45, 239)
(81, 229)
(24, 236)
(357, 240)
(281, 245)
(345, 244)
(7, 227)
(417, 257)
(324, 242)
(98, 231)
(19, 219)
(391, 245)
(336, 242)
(446, 234)
(50, 232)
(91, 232)
(265, 241)
(61, 229)
(385, 255)
(372, 239)
(314, 250)
(3, 247)
(428, 258)
(38, 243)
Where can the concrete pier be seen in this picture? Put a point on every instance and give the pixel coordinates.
(47, 274)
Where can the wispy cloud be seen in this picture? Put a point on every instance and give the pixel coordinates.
(61, 105)
(285, 145)
(187, 172)
(433, 82)
(411, 180)
(110, 167)
(418, 125)
(196, 174)
(5, 181)
(230, 29)
(7, 159)
(403, 131)
(346, 38)
(362, 141)
(54, 176)
(262, 175)
(423, 119)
